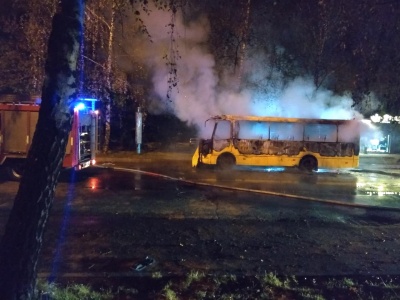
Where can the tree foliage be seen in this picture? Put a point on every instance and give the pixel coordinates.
(24, 32)
(345, 46)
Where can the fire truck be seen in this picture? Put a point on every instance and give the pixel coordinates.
(18, 118)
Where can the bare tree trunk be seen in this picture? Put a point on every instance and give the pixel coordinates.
(243, 44)
(22, 240)
(108, 79)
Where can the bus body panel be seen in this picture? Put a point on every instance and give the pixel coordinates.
(276, 160)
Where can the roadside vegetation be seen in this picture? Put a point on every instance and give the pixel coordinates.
(197, 285)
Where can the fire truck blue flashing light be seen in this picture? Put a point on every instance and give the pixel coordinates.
(90, 101)
(79, 106)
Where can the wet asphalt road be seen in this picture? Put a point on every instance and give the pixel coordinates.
(106, 219)
(354, 187)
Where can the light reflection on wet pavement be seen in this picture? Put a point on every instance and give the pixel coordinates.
(347, 186)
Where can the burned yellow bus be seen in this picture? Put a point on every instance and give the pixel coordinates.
(273, 141)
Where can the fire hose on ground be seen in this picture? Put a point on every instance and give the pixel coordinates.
(271, 193)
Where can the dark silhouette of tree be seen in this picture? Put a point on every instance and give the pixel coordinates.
(374, 37)
(22, 240)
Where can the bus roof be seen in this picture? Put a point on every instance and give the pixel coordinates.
(278, 119)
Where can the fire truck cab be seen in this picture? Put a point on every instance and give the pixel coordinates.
(18, 118)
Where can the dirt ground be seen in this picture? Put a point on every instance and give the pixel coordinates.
(300, 247)
(107, 250)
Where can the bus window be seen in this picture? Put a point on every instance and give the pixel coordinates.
(349, 133)
(286, 132)
(253, 130)
(320, 132)
(222, 130)
(207, 130)
(222, 135)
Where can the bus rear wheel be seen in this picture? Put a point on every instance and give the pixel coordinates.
(309, 163)
(226, 162)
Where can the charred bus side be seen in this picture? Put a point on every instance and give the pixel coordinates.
(288, 142)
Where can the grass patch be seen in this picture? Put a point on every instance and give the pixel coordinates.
(194, 276)
(169, 293)
(72, 292)
(197, 285)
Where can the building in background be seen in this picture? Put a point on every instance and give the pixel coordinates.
(381, 135)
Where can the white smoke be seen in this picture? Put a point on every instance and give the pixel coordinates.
(200, 93)
(300, 99)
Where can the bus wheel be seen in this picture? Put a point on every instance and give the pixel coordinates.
(15, 171)
(309, 163)
(225, 162)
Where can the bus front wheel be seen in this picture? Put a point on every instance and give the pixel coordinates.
(226, 162)
(309, 163)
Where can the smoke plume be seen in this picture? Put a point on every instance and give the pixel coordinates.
(200, 94)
